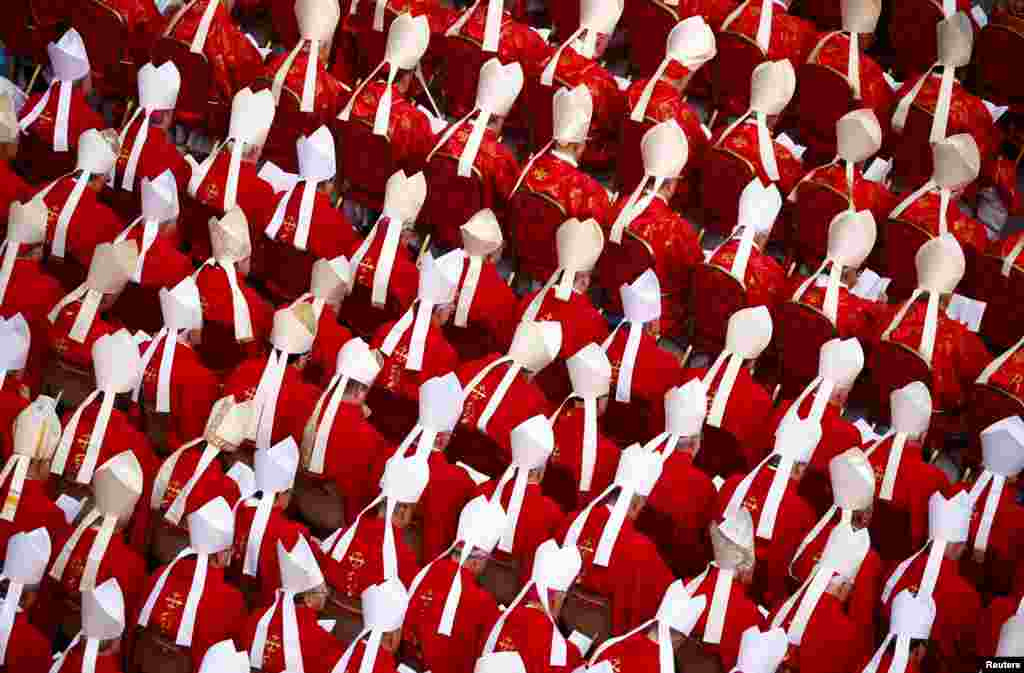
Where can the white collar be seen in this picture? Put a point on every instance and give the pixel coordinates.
(567, 158)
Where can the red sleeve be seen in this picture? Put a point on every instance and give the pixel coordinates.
(506, 172)
(974, 357)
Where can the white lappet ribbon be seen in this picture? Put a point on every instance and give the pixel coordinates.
(719, 606)
(822, 389)
(931, 570)
(303, 224)
(770, 510)
(940, 120)
(765, 143)
(492, 24)
(386, 258)
(200, 172)
(892, 465)
(830, 305)
(996, 484)
(17, 469)
(931, 322)
(268, 393)
(333, 395)
(291, 645)
(99, 432)
(309, 79)
(588, 451)
(382, 116)
(586, 48)
(60, 126)
(559, 649)
(176, 510)
(451, 601)
(809, 595)
(764, 23)
(9, 249)
(635, 206)
(60, 232)
(338, 543)
(240, 307)
(370, 650)
(257, 531)
(418, 317)
(97, 551)
(499, 393)
(169, 338)
(900, 656)
(515, 502)
(845, 517)
(998, 363)
(716, 414)
(128, 179)
(666, 653)
(8, 613)
(467, 292)
(86, 316)
(92, 651)
(945, 196)
(1008, 261)
(624, 384)
(612, 527)
(150, 230)
(187, 627)
(853, 58)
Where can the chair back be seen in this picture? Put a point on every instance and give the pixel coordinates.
(902, 241)
(803, 329)
(166, 540)
(997, 78)
(534, 218)
(348, 614)
(716, 296)
(817, 203)
(451, 198)
(653, 20)
(1003, 322)
(737, 57)
(501, 578)
(823, 95)
(156, 653)
(319, 504)
(589, 613)
(365, 161)
(720, 453)
(723, 178)
(105, 32)
(198, 102)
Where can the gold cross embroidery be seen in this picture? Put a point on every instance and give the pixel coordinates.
(539, 174)
(272, 647)
(61, 346)
(288, 227)
(506, 644)
(356, 560)
(752, 504)
(212, 191)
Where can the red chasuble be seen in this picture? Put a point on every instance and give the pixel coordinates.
(765, 278)
(539, 520)
(157, 155)
(279, 529)
(194, 389)
(992, 619)
(857, 317)
(219, 349)
(562, 476)
(484, 332)
(360, 313)
(1003, 554)
(362, 566)
(740, 615)
(27, 648)
(91, 223)
(295, 402)
(212, 484)
(833, 642)
(527, 630)
(41, 161)
(35, 510)
(409, 131)
(320, 650)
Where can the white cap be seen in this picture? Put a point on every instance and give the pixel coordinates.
(641, 299)
(384, 606)
(440, 403)
(404, 196)
(772, 85)
(853, 480)
(579, 244)
(841, 361)
(1002, 446)
(691, 43)
(276, 466)
(949, 519)
(498, 87)
(481, 234)
(252, 114)
(639, 470)
(665, 149)
(9, 128)
(117, 363)
(955, 38)
(858, 135)
(845, 550)
(796, 439)
(686, 406)
(244, 478)
(590, 372)
(15, 340)
(159, 87)
(749, 332)
(851, 237)
(316, 155)
(1011, 638)
(181, 306)
(112, 266)
(358, 362)
(331, 279)
(535, 345)
(103, 611)
(940, 264)
(405, 479)
(117, 485)
(28, 555)
(97, 152)
(26, 222)
(860, 16)
(317, 19)
(211, 528)
(294, 329)
(500, 662)
(572, 112)
(600, 16)
(679, 610)
(37, 429)
(532, 441)
(160, 196)
(732, 540)
(408, 38)
(68, 57)
(912, 615)
(224, 658)
(556, 567)
(759, 206)
(956, 161)
(439, 278)
(911, 408)
(300, 571)
(481, 524)
(229, 236)
(762, 652)
(228, 424)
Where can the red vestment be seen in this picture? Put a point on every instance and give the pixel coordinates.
(143, 21)
(409, 131)
(794, 519)
(14, 188)
(675, 249)
(35, 510)
(833, 642)
(69, 351)
(742, 141)
(498, 171)
(740, 614)
(855, 316)
(371, 43)
(330, 337)
(582, 324)
(1010, 377)
(528, 631)
(957, 609)
(957, 360)
(32, 292)
(924, 212)
(867, 585)
(562, 477)
(384, 663)
(572, 71)
(279, 529)
(221, 607)
(74, 662)
(27, 648)
(900, 527)
(1003, 554)
(157, 155)
(219, 349)
(636, 654)
(360, 313)
(165, 266)
(212, 484)
(992, 619)
(523, 400)
(194, 389)
(493, 302)
(765, 278)
(473, 620)
(41, 161)
(539, 519)
(320, 650)
(749, 406)
(667, 103)
(234, 60)
(362, 566)
(577, 195)
(295, 401)
(286, 269)
(678, 513)
(12, 402)
(91, 223)
(331, 93)
(636, 576)
(120, 561)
